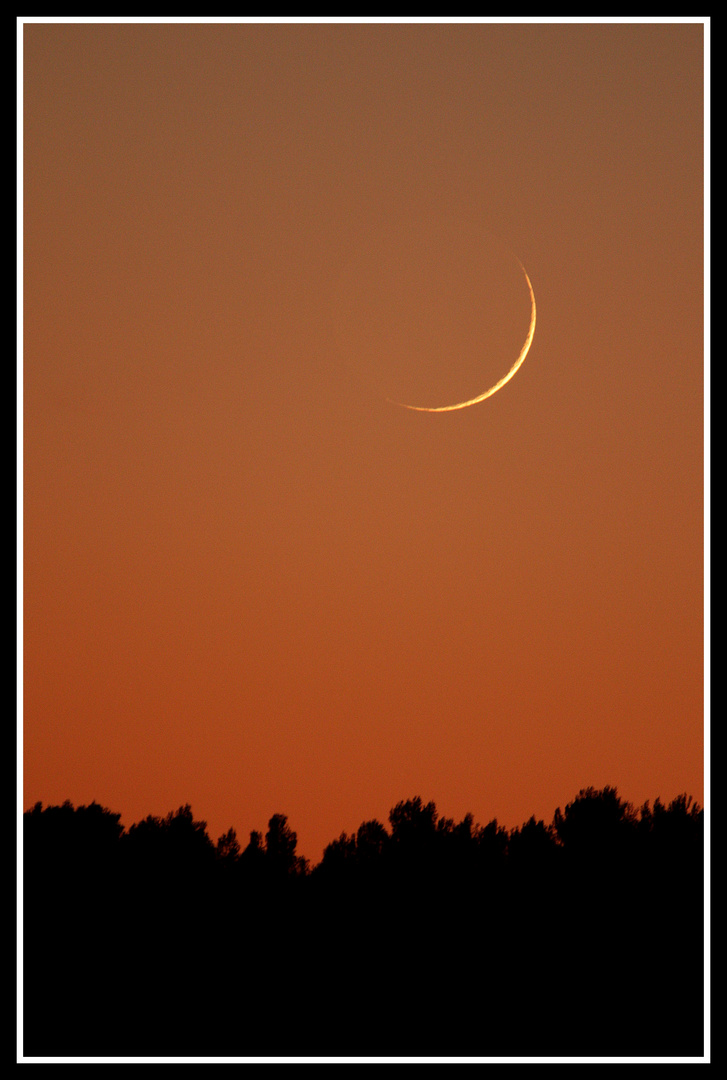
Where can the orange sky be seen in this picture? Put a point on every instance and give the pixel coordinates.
(253, 584)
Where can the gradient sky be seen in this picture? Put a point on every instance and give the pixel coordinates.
(251, 582)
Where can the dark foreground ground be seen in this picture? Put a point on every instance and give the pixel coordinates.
(406, 969)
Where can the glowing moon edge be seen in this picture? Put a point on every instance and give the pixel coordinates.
(498, 385)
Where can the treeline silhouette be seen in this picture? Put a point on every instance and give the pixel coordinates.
(431, 937)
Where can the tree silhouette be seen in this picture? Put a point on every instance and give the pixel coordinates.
(66, 840)
(163, 852)
(280, 845)
(413, 837)
(413, 823)
(533, 845)
(531, 941)
(339, 857)
(598, 833)
(228, 847)
(252, 859)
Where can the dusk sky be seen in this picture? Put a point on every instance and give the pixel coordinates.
(253, 583)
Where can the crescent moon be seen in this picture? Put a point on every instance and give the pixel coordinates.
(505, 379)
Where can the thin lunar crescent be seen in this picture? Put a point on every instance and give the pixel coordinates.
(498, 385)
